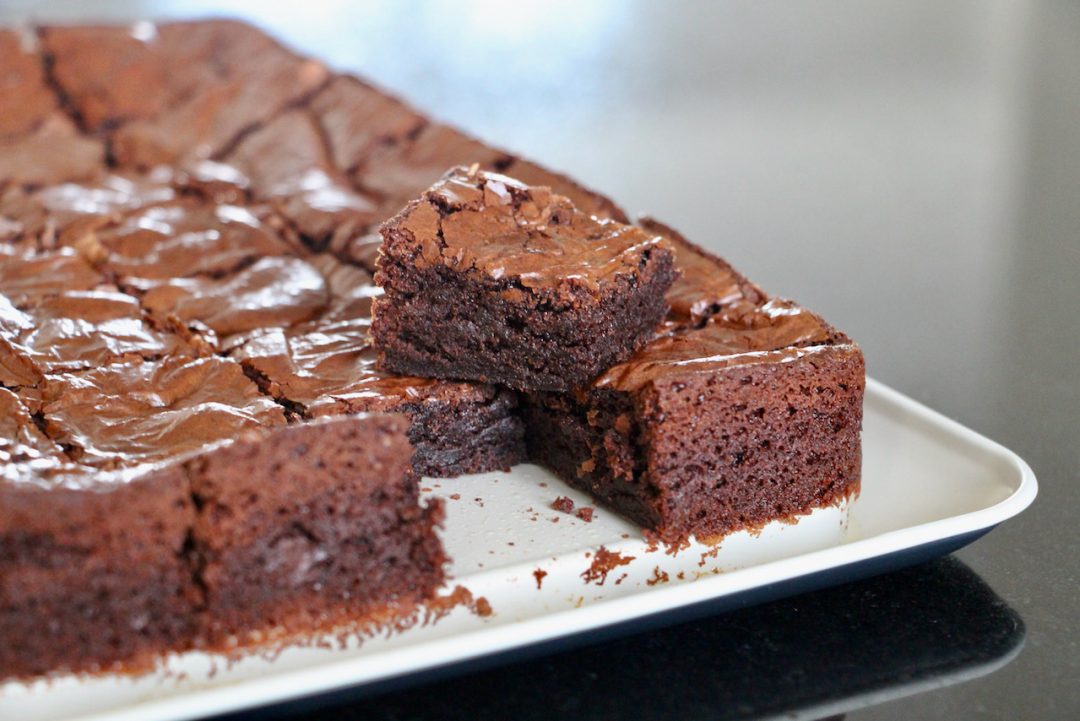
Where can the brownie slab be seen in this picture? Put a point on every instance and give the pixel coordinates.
(274, 532)
(187, 232)
(490, 280)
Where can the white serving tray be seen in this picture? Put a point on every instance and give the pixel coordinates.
(930, 486)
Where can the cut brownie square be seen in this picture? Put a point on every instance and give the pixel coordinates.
(723, 422)
(490, 280)
(268, 532)
(93, 570)
(311, 526)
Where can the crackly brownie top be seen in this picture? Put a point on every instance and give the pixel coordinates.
(24, 92)
(20, 438)
(480, 222)
(327, 364)
(775, 331)
(129, 413)
(329, 367)
(25, 277)
(272, 292)
(76, 330)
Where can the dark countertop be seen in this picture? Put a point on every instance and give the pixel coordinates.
(911, 171)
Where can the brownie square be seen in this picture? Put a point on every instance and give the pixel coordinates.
(93, 573)
(743, 410)
(490, 280)
(310, 526)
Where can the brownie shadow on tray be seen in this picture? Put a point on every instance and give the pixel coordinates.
(812, 656)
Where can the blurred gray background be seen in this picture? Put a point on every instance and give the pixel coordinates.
(911, 170)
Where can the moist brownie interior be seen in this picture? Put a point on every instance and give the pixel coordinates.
(188, 217)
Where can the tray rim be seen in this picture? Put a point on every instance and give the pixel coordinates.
(945, 534)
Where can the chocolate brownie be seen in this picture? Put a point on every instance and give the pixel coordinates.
(337, 533)
(491, 280)
(743, 410)
(92, 565)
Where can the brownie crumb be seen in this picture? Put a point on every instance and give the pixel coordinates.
(672, 545)
(604, 563)
(658, 576)
(539, 575)
(711, 553)
(585, 514)
(563, 504)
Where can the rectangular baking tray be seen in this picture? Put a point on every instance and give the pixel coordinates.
(930, 486)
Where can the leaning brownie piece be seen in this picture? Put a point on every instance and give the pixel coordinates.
(743, 410)
(490, 280)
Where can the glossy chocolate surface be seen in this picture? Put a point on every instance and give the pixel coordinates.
(21, 441)
(775, 332)
(327, 365)
(476, 221)
(77, 330)
(129, 413)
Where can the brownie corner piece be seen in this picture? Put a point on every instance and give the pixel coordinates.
(488, 279)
